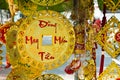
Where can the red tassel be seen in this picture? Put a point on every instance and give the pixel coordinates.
(101, 64)
(102, 56)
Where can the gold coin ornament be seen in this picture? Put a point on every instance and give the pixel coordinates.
(45, 40)
(47, 2)
(108, 37)
(49, 77)
(112, 72)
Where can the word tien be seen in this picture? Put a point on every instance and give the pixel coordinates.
(45, 56)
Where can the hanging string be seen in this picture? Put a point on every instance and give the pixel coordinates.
(102, 56)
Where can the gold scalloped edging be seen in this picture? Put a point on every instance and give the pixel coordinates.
(112, 72)
(111, 5)
(34, 30)
(50, 77)
(106, 37)
(1, 51)
(47, 2)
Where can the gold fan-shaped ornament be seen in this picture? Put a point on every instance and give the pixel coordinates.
(47, 2)
(109, 38)
(45, 40)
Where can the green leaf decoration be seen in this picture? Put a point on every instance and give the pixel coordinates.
(3, 4)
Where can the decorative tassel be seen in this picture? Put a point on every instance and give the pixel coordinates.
(102, 56)
(101, 63)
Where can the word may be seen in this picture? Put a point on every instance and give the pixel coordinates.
(45, 56)
(31, 40)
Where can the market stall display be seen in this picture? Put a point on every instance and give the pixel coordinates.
(53, 31)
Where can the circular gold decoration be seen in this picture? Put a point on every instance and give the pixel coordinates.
(47, 2)
(26, 6)
(49, 77)
(47, 38)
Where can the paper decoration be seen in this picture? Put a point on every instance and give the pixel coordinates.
(112, 72)
(108, 37)
(45, 40)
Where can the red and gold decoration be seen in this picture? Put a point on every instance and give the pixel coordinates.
(42, 38)
(36, 44)
(110, 34)
(46, 39)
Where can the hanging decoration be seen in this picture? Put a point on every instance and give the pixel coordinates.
(73, 66)
(53, 40)
(112, 72)
(80, 39)
(110, 33)
(22, 42)
(102, 25)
